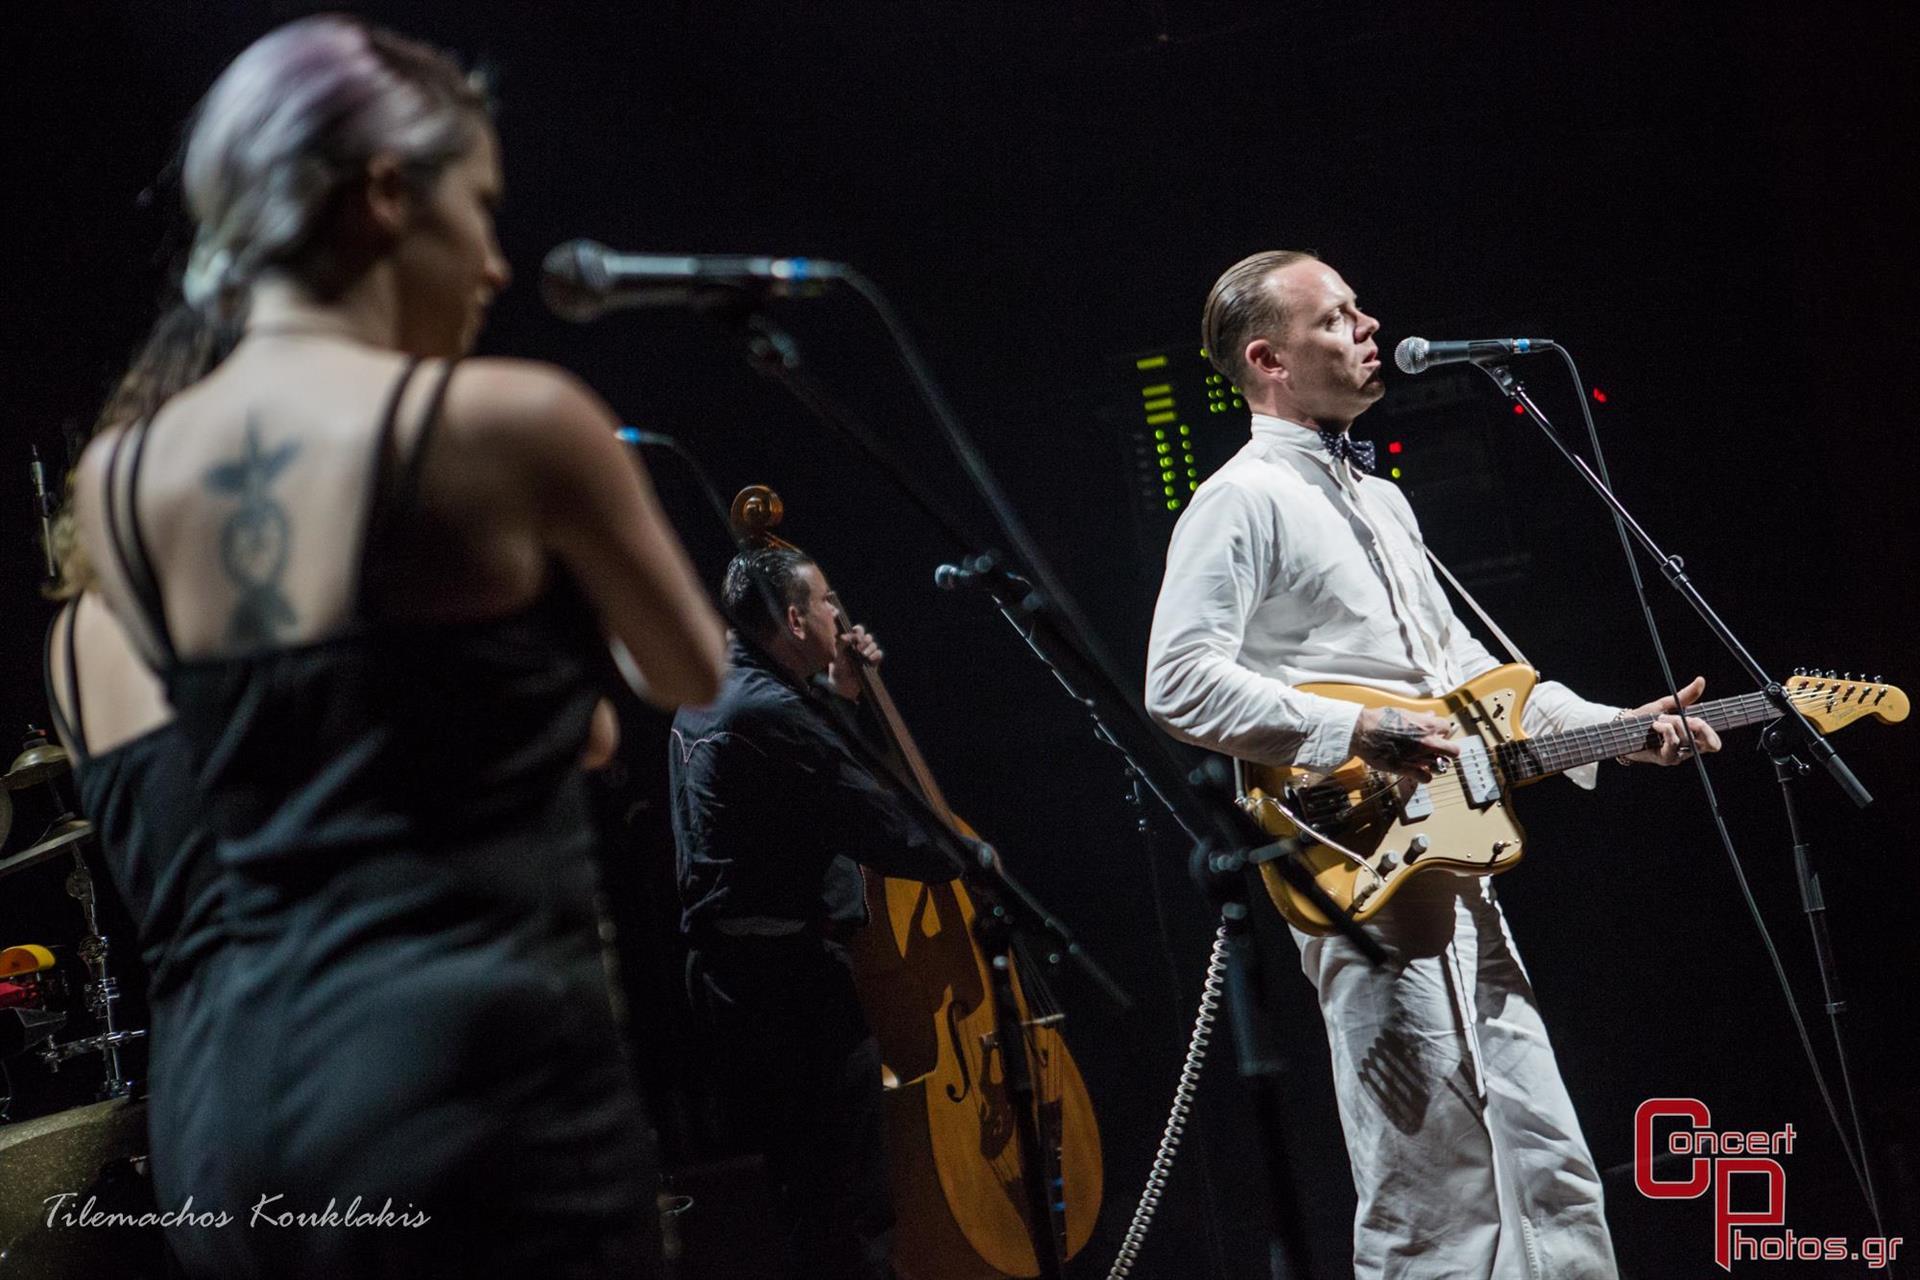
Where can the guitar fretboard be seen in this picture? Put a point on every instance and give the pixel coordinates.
(1529, 758)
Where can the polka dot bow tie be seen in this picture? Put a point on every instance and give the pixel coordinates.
(1340, 445)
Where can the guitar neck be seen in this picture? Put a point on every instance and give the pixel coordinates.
(1528, 758)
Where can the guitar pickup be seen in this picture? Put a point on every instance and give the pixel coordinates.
(1418, 804)
(1477, 774)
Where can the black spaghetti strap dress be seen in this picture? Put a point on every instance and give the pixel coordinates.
(139, 796)
(404, 1059)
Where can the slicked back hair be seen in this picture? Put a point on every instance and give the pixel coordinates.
(760, 581)
(1242, 306)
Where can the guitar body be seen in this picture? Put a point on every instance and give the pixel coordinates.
(1373, 832)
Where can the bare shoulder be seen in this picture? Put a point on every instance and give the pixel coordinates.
(493, 395)
(93, 459)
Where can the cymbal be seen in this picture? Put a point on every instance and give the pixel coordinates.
(37, 764)
(71, 833)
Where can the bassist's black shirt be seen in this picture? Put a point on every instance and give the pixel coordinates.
(772, 811)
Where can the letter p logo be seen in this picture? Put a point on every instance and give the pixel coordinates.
(1724, 1217)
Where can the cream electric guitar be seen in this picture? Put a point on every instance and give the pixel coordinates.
(1367, 832)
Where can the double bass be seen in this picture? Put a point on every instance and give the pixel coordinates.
(953, 1153)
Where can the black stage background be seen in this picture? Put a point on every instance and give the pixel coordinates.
(1708, 205)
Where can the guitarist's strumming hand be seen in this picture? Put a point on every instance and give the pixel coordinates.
(1675, 743)
(1412, 743)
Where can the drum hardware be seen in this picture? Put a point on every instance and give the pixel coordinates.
(68, 833)
(23, 1029)
(40, 763)
(102, 992)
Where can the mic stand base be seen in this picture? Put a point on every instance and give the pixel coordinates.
(1788, 769)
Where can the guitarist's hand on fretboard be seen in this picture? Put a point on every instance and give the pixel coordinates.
(1411, 743)
(1675, 743)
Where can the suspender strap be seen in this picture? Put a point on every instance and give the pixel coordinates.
(1513, 650)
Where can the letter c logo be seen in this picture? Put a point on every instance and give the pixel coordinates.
(1661, 1188)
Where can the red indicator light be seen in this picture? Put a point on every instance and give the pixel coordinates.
(1393, 447)
(1519, 408)
(1599, 396)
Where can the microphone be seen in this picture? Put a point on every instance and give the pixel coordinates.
(978, 571)
(43, 505)
(1417, 355)
(582, 281)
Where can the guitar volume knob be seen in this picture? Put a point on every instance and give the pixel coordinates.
(1417, 846)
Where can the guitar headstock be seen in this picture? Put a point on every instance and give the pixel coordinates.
(1832, 701)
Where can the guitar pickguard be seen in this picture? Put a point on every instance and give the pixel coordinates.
(1385, 829)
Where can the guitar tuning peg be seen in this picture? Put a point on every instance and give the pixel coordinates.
(1878, 678)
(1799, 671)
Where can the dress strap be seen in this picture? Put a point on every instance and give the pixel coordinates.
(374, 520)
(409, 487)
(391, 500)
(71, 728)
(129, 544)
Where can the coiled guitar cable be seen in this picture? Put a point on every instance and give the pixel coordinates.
(1183, 1093)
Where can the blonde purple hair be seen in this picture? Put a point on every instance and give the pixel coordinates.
(273, 148)
(288, 129)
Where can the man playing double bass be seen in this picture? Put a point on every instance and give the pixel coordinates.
(771, 814)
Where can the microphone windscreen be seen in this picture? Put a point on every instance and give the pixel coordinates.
(573, 281)
(1411, 355)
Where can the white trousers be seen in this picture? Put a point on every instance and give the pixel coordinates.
(1466, 1154)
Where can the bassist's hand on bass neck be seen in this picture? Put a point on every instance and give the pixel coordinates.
(853, 649)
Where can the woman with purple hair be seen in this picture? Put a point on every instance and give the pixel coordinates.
(377, 583)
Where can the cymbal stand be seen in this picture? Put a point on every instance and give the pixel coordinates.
(102, 994)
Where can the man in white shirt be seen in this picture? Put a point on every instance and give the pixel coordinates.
(1293, 566)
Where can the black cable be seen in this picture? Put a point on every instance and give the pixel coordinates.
(1856, 1154)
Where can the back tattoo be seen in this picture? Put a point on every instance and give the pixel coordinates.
(255, 541)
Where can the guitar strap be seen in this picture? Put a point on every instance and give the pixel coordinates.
(1513, 650)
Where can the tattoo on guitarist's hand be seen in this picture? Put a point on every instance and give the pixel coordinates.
(1393, 740)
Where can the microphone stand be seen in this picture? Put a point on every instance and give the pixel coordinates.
(1785, 740)
(1229, 846)
(1224, 875)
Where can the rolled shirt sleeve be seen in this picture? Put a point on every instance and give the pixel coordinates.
(1220, 565)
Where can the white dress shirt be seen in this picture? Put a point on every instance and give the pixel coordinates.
(1288, 568)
